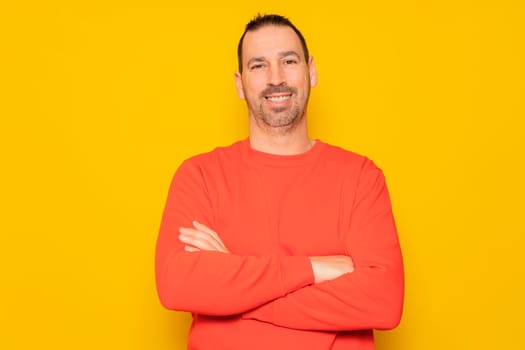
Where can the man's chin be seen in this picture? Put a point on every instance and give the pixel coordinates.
(278, 110)
(280, 122)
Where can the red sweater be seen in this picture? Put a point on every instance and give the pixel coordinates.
(272, 212)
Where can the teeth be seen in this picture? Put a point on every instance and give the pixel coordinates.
(278, 98)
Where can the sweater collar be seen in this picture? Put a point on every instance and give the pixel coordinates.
(253, 156)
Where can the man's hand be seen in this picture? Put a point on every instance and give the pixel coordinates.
(200, 237)
(327, 268)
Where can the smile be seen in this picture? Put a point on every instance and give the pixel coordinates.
(278, 98)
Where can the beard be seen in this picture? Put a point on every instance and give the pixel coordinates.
(277, 118)
(280, 117)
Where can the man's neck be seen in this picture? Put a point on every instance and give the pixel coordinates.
(288, 143)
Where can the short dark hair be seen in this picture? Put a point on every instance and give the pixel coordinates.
(266, 20)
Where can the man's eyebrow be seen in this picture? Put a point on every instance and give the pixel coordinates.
(289, 53)
(255, 59)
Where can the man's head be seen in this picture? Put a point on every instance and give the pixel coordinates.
(276, 74)
(266, 20)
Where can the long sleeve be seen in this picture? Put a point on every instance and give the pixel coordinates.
(369, 297)
(214, 283)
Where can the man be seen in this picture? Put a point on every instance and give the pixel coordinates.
(279, 241)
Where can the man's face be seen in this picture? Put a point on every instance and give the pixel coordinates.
(276, 79)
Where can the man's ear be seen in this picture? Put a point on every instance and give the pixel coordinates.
(238, 85)
(312, 71)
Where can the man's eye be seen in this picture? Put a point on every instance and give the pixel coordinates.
(257, 66)
(288, 62)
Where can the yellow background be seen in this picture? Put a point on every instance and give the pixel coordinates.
(100, 102)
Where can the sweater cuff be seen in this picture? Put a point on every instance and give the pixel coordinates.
(296, 273)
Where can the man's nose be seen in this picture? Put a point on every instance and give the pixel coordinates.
(276, 75)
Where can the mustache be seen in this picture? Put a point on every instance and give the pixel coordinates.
(277, 89)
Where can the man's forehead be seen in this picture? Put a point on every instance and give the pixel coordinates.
(271, 38)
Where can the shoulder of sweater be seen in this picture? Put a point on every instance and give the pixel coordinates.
(351, 162)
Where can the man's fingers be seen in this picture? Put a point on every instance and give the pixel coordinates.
(204, 228)
(198, 239)
(202, 237)
(201, 240)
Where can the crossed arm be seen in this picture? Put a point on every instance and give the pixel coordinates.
(200, 237)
